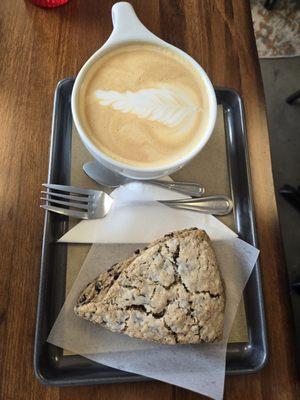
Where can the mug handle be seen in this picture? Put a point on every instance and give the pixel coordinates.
(126, 24)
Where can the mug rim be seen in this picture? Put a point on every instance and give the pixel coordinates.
(178, 163)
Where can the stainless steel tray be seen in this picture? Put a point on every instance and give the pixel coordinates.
(52, 367)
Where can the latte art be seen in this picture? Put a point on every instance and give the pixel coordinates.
(166, 106)
(143, 105)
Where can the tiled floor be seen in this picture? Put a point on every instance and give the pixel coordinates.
(281, 77)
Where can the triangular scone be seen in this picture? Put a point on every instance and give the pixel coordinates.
(170, 292)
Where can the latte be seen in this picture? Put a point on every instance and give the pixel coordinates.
(143, 105)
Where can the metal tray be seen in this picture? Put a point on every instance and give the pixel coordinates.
(52, 367)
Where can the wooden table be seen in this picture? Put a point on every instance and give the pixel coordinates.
(39, 47)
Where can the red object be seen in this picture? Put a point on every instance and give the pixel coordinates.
(49, 3)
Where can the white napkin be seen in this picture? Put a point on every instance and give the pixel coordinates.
(136, 218)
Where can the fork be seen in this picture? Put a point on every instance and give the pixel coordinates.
(85, 203)
(93, 204)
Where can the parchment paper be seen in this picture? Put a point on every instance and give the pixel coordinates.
(200, 368)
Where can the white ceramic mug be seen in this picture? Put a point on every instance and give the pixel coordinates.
(127, 29)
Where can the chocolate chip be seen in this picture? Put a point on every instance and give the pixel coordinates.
(137, 307)
(169, 235)
(82, 298)
(158, 315)
(137, 251)
(176, 254)
(98, 287)
(116, 276)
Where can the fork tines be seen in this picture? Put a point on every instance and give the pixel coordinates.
(77, 200)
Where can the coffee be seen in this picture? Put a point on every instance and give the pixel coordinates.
(143, 105)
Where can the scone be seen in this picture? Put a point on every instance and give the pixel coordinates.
(170, 292)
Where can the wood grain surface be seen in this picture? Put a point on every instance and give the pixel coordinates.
(39, 47)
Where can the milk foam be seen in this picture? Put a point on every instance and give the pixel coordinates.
(168, 106)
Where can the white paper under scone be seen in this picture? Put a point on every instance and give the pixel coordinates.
(209, 168)
(200, 368)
